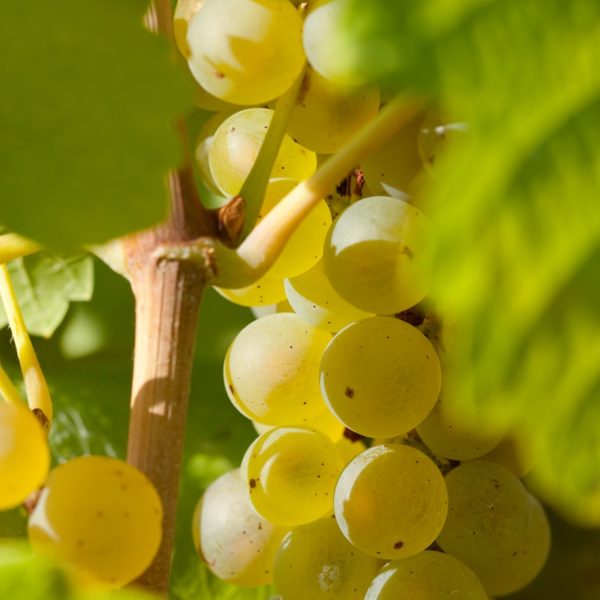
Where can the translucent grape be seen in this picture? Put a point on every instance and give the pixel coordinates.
(391, 168)
(24, 455)
(372, 256)
(325, 422)
(434, 138)
(513, 571)
(391, 501)
(184, 11)
(272, 370)
(264, 292)
(291, 473)
(237, 544)
(100, 516)
(313, 298)
(380, 376)
(304, 248)
(236, 144)
(316, 561)
(426, 576)
(489, 512)
(246, 51)
(449, 434)
(327, 115)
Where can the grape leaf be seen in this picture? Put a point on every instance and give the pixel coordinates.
(45, 284)
(516, 262)
(87, 108)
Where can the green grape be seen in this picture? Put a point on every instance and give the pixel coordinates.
(391, 168)
(489, 512)
(391, 501)
(290, 473)
(272, 370)
(449, 434)
(426, 576)
(236, 144)
(502, 575)
(305, 246)
(327, 115)
(512, 455)
(237, 544)
(24, 455)
(316, 561)
(322, 25)
(372, 255)
(325, 422)
(434, 138)
(246, 51)
(184, 11)
(380, 376)
(313, 298)
(102, 517)
(264, 292)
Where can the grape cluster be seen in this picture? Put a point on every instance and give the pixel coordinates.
(363, 481)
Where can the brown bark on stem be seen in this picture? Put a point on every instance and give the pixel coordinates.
(167, 296)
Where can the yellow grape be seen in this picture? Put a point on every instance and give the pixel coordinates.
(24, 455)
(489, 512)
(391, 501)
(272, 370)
(236, 543)
(290, 474)
(246, 51)
(325, 422)
(305, 246)
(426, 576)
(380, 376)
(503, 575)
(264, 292)
(100, 516)
(314, 299)
(327, 115)
(236, 144)
(184, 11)
(373, 255)
(391, 168)
(316, 562)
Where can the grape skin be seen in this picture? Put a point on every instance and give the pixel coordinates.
(380, 376)
(316, 561)
(102, 517)
(264, 292)
(237, 544)
(24, 454)
(325, 422)
(290, 473)
(391, 501)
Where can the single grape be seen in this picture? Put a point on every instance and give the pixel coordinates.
(246, 51)
(236, 144)
(449, 434)
(304, 247)
(426, 576)
(327, 115)
(372, 256)
(264, 292)
(272, 370)
(313, 298)
(325, 422)
(290, 474)
(236, 543)
(101, 516)
(316, 561)
(391, 501)
(392, 167)
(434, 138)
(503, 575)
(380, 376)
(24, 455)
(489, 512)
(184, 11)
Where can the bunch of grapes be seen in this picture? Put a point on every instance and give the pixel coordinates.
(363, 481)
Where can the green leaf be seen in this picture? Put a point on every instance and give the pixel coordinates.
(517, 255)
(88, 103)
(45, 284)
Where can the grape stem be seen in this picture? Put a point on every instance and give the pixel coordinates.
(236, 268)
(38, 395)
(14, 246)
(7, 389)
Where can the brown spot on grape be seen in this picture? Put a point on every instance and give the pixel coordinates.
(349, 392)
(252, 483)
(398, 545)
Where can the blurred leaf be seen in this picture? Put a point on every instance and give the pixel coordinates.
(45, 285)
(86, 111)
(517, 260)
